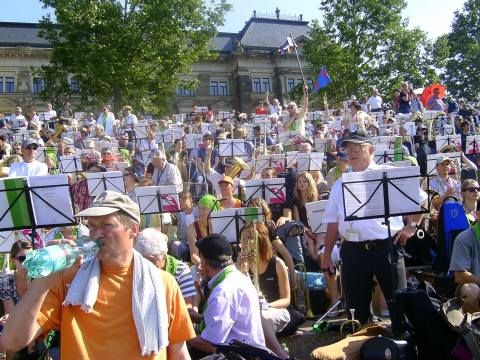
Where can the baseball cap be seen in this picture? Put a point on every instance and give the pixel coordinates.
(359, 137)
(109, 157)
(230, 163)
(109, 202)
(214, 247)
(342, 155)
(421, 127)
(27, 142)
(96, 164)
(442, 159)
(227, 179)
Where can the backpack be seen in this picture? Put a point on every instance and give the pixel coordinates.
(292, 235)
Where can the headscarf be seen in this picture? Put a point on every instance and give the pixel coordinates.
(53, 156)
(211, 202)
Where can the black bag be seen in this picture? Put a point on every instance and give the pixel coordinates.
(469, 173)
(380, 348)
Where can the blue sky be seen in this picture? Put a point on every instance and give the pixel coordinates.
(432, 16)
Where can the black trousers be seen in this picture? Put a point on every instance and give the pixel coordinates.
(358, 267)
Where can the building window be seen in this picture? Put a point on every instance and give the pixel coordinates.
(257, 87)
(182, 91)
(214, 88)
(290, 84)
(223, 88)
(266, 85)
(1, 84)
(218, 88)
(261, 85)
(73, 85)
(9, 85)
(37, 85)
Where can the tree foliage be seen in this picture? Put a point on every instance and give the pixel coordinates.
(365, 44)
(458, 52)
(134, 56)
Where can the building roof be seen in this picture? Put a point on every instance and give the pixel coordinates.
(21, 34)
(258, 33)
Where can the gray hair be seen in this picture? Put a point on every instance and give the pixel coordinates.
(160, 156)
(151, 243)
(375, 90)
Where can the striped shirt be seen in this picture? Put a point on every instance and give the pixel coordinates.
(184, 280)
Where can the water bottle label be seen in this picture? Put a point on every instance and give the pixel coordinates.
(59, 254)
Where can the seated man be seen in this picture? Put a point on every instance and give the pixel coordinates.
(465, 264)
(152, 244)
(232, 311)
(443, 183)
(109, 322)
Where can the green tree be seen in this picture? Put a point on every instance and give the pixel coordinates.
(134, 55)
(365, 44)
(458, 52)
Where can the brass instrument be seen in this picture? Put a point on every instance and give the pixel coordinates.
(300, 291)
(355, 323)
(59, 129)
(249, 253)
(239, 166)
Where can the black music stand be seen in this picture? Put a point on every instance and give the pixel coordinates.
(383, 183)
(270, 162)
(72, 165)
(317, 162)
(158, 200)
(317, 214)
(25, 194)
(231, 148)
(475, 145)
(387, 158)
(106, 181)
(449, 141)
(276, 192)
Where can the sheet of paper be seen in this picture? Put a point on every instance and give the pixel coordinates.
(99, 182)
(445, 140)
(164, 137)
(158, 199)
(193, 141)
(325, 145)
(209, 127)
(231, 147)
(140, 131)
(315, 211)
(223, 221)
(276, 161)
(387, 156)
(275, 192)
(310, 161)
(473, 144)
(51, 199)
(364, 196)
(290, 137)
(291, 158)
(7, 239)
(70, 164)
(14, 209)
(41, 152)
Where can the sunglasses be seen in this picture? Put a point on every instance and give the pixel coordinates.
(31, 148)
(106, 154)
(290, 107)
(20, 258)
(125, 175)
(18, 148)
(473, 189)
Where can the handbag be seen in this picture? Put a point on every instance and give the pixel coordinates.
(381, 348)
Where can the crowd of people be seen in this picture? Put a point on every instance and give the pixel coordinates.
(166, 284)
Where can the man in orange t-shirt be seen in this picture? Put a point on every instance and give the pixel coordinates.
(109, 331)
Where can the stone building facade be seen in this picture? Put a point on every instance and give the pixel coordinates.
(248, 65)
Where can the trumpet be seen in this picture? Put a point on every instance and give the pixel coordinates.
(301, 292)
(59, 129)
(355, 324)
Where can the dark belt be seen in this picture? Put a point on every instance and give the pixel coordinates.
(369, 244)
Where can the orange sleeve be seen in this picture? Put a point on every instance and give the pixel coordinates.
(180, 327)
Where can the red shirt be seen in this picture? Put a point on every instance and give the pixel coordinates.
(260, 112)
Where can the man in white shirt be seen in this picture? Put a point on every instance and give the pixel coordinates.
(232, 310)
(365, 251)
(129, 121)
(50, 116)
(274, 107)
(29, 166)
(166, 173)
(17, 120)
(375, 102)
(107, 120)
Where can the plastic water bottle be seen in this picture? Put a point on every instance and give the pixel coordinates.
(285, 349)
(43, 262)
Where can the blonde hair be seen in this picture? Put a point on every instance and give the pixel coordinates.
(312, 188)
(259, 202)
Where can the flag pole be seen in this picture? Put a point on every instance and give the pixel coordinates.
(298, 59)
(336, 92)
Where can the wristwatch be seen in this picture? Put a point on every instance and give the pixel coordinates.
(413, 223)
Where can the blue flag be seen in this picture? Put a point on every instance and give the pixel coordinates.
(288, 46)
(323, 80)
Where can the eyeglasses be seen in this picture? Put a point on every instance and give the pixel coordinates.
(125, 175)
(105, 109)
(290, 107)
(206, 139)
(126, 110)
(34, 148)
(20, 258)
(68, 152)
(106, 154)
(356, 149)
(18, 148)
(473, 189)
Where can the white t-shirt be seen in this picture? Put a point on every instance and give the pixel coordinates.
(35, 168)
(189, 219)
(274, 109)
(214, 177)
(50, 114)
(108, 128)
(130, 119)
(375, 102)
(18, 121)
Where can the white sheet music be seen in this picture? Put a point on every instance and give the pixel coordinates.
(113, 181)
(193, 141)
(156, 199)
(223, 221)
(289, 137)
(276, 161)
(443, 141)
(275, 192)
(315, 212)
(310, 161)
(70, 164)
(231, 147)
(473, 144)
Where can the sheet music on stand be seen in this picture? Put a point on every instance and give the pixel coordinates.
(291, 158)
(363, 193)
(231, 147)
(158, 199)
(411, 128)
(164, 137)
(224, 114)
(140, 131)
(193, 141)
(325, 145)
(387, 156)
(180, 117)
(443, 141)
(228, 222)
(83, 153)
(70, 164)
(102, 181)
(273, 191)
(445, 130)
(473, 142)
(113, 147)
(402, 163)
(315, 211)
(389, 128)
(310, 161)
(314, 115)
(276, 161)
(290, 137)
(432, 161)
(35, 201)
(120, 165)
(402, 119)
(178, 132)
(209, 127)
(7, 239)
(40, 155)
